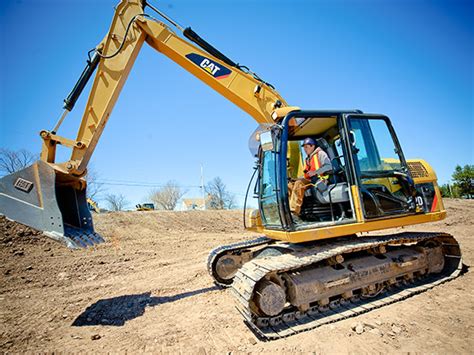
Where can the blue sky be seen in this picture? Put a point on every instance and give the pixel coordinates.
(411, 60)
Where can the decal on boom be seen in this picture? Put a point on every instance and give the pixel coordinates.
(218, 71)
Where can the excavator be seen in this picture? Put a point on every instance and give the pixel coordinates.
(301, 272)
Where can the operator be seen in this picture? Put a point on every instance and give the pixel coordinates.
(318, 166)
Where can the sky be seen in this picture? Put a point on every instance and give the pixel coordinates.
(410, 60)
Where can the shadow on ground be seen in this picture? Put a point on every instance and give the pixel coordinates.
(117, 310)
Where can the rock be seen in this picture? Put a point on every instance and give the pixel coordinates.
(29, 268)
(252, 341)
(95, 337)
(378, 322)
(76, 337)
(63, 276)
(396, 329)
(369, 325)
(359, 329)
(7, 272)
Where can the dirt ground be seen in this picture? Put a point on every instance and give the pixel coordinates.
(147, 290)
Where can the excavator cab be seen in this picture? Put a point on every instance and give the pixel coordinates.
(369, 172)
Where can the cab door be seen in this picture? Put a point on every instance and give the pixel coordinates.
(385, 183)
(268, 187)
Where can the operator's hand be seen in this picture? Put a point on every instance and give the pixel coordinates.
(312, 173)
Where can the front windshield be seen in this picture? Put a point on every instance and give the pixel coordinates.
(385, 186)
(375, 148)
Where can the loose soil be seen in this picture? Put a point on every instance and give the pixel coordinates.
(147, 290)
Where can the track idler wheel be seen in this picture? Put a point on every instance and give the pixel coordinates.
(270, 298)
(225, 268)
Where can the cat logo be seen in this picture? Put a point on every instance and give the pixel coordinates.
(212, 68)
(216, 70)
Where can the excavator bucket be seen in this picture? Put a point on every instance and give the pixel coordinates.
(52, 202)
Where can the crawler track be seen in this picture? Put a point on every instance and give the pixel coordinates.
(291, 321)
(235, 247)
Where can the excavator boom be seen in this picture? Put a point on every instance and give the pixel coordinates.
(51, 196)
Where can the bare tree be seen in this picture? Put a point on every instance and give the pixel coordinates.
(219, 197)
(11, 161)
(167, 197)
(94, 186)
(116, 202)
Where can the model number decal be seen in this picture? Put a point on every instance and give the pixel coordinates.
(419, 201)
(217, 70)
(23, 185)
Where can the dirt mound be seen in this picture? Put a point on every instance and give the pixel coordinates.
(147, 290)
(173, 221)
(13, 232)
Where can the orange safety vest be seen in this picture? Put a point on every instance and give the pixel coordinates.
(313, 163)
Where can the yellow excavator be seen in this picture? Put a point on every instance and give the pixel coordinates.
(145, 207)
(304, 271)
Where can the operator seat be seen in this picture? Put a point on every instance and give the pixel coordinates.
(337, 191)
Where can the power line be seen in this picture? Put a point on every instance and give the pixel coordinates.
(139, 183)
(114, 182)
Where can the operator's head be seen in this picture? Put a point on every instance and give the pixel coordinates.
(309, 145)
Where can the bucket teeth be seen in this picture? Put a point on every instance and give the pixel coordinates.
(76, 238)
(82, 239)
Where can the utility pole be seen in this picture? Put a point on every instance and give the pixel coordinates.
(203, 192)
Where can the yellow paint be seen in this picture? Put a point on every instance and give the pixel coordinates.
(353, 228)
(357, 204)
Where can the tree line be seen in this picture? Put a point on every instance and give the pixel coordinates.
(462, 183)
(216, 195)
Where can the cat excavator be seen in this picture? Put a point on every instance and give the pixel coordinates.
(302, 271)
